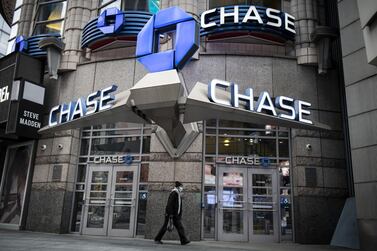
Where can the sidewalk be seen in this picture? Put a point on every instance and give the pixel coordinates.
(21, 240)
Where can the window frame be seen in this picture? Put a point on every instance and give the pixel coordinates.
(44, 22)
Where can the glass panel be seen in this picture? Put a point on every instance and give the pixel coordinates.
(96, 216)
(115, 4)
(233, 179)
(209, 212)
(18, 3)
(100, 177)
(284, 173)
(124, 177)
(276, 4)
(14, 184)
(121, 217)
(286, 218)
(142, 213)
(146, 144)
(233, 221)
(209, 174)
(262, 180)
(16, 16)
(81, 173)
(247, 146)
(46, 28)
(283, 148)
(263, 223)
(13, 31)
(210, 145)
(144, 170)
(77, 212)
(115, 146)
(123, 187)
(50, 12)
(84, 147)
(142, 5)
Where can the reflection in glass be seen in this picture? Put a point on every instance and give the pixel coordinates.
(121, 217)
(209, 212)
(14, 184)
(50, 12)
(96, 217)
(233, 179)
(247, 146)
(124, 177)
(100, 176)
(233, 221)
(142, 213)
(210, 174)
(77, 212)
(262, 180)
(263, 223)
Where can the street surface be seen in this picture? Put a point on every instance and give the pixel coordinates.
(22, 241)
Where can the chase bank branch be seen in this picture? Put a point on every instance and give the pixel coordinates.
(241, 101)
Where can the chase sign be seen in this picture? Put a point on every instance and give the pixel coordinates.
(186, 40)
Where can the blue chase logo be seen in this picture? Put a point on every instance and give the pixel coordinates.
(186, 40)
(110, 21)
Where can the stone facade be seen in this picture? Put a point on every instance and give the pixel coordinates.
(319, 175)
(360, 84)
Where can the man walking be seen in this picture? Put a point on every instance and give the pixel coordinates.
(174, 210)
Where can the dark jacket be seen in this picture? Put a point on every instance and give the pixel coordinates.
(173, 204)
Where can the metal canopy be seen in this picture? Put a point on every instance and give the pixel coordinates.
(199, 107)
(120, 112)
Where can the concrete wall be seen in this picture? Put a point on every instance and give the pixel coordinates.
(360, 82)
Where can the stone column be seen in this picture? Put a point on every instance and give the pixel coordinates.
(79, 13)
(26, 19)
(163, 172)
(53, 183)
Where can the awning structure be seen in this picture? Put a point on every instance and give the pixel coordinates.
(198, 107)
(162, 98)
(120, 112)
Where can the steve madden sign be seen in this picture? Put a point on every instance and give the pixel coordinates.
(283, 107)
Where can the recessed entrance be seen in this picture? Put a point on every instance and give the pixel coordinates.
(247, 204)
(110, 203)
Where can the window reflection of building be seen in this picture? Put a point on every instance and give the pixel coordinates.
(276, 4)
(128, 5)
(14, 184)
(50, 17)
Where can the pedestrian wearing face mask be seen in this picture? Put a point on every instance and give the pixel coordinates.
(174, 210)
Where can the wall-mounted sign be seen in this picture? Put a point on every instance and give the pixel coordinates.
(254, 160)
(94, 102)
(4, 94)
(113, 159)
(267, 23)
(289, 108)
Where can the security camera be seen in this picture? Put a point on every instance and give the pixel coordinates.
(43, 147)
(60, 146)
(308, 147)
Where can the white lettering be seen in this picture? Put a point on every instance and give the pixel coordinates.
(203, 19)
(290, 22)
(233, 14)
(4, 94)
(270, 14)
(252, 14)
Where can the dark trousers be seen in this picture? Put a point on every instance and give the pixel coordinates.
(177, 224)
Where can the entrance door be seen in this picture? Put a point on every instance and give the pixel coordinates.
(263, 206)
(110, 201)
(123, 201)
(247, 204)
(232, 206)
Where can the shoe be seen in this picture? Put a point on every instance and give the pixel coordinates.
(158, 242)
(185, 242)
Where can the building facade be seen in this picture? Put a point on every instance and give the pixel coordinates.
(244, 181)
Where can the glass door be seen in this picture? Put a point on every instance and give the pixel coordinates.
(263, 206)
(97, 200)
(110, 201)
(232, 206)
(123, 201)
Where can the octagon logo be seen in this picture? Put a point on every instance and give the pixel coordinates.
(186, 41)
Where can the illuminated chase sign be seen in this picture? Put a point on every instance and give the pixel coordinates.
(266, 23)
(94, 102)
(248, 160)
(113, 159)
(110, 21)
(186, 40)
(291, 109)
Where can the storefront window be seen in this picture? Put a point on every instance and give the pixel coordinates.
(13, 184)
(233, 139)
(127, 5)
(109, 140)
(276, 4)
(50, 17)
